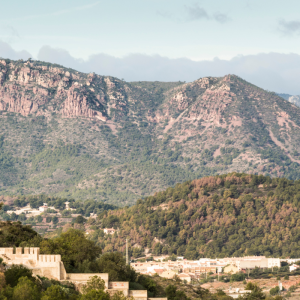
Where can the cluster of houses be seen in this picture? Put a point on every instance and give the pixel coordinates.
(188, 270)
(32, 212)
(45, 225)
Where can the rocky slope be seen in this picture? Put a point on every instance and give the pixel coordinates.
(89, 136)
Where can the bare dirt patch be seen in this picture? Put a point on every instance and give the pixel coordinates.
(279, 144)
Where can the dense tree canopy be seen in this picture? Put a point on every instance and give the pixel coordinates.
(14, 234)
(226, 215)
(74, 248)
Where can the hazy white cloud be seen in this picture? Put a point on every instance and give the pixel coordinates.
(272, 71)
(196, 12)
(59, 56)
(6, 51)
(289, 27)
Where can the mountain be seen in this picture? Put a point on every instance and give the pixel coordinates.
(285, 96)
(87, 136)
(222, 216)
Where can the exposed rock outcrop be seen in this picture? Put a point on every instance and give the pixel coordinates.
(29, 87)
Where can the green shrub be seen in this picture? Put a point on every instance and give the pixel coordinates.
(274, 291)
(15, 272)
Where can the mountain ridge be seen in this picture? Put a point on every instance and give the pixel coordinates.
(80, 135)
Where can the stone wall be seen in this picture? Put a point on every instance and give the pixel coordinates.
(116, 286)
(84, 277)
(138, 294)
(52, 267)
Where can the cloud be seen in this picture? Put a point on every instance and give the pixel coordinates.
(289, 27)
(6, 51)
(272, 71)
(59, 56)
(196, 12)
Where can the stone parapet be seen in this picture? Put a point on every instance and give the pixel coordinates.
(49, 258)
(84, 277)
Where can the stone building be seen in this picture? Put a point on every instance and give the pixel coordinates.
(260, 263)
(52, 267)
(232, 269)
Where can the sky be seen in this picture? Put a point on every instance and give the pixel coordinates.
(166, 40)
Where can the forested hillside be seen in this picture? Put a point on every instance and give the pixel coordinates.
(226, 215)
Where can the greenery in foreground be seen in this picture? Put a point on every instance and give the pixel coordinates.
(221, 216)
(82, 255)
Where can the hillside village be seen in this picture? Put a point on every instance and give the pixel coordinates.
(193, 271)
(189, 270)
(46, 217)
(229, 274)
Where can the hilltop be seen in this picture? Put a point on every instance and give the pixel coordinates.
(230, 215)
(87, 136)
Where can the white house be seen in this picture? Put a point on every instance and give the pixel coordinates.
(109, 230)
(293, 267)
(43, 208)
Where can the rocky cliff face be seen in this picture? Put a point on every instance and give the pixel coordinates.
(38, 88)
(35, 87)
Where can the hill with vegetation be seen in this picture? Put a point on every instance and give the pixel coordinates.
(226, 215)
(85, 136)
